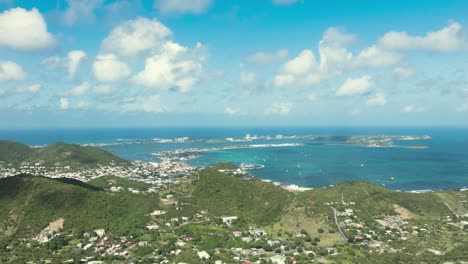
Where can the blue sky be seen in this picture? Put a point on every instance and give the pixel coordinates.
(97, 63)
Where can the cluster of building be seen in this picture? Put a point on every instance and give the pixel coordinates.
(157, 174)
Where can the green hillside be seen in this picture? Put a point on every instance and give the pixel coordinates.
(13, 152)
(28, 204)
(256, 201)
(58, 154)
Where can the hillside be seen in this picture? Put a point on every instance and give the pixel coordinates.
(186, 216)
(57, 154)
(13, 152)
(256, 201)
(28, 204)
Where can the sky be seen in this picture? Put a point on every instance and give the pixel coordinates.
(150, 63)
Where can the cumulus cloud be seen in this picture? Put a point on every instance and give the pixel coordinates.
(264, 58)
(149, 104)
(279, 109)
(377, 99)
(375, 57)
(35, 88)
(102, 89)
(10, 71)
(174, 66)
(412, 109)
(108, 68)
(448, 39)
(80, 89)
(231, 111)
(75, 57)
(80, 10)
(64, 103)
(71, 62)
(463, 108)
(248, 79)
(183, 6)
(82, 105)
(333, 59)
(404, 72)
(136, 37)
(168, 65)
(25, 30)
(312, 98)
(356, 86)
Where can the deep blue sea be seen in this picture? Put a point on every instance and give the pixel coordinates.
(443, 165)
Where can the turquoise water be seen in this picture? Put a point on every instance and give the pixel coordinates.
(443, 165)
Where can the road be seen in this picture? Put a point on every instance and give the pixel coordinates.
(342, 235)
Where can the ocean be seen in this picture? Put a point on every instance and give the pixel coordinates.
(313, 162)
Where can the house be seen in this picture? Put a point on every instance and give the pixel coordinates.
(228, 219)
(203, 255)
(278, 259)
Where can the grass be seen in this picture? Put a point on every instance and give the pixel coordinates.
(296, 219)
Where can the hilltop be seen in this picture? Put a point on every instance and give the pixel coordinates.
(57, 154)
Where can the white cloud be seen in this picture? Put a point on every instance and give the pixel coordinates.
(447, 39)
(231, 111)
(136, 37)
(312, 98)
(80, 10)
(300, 70)
(284, 2)
(2, 91)
(71, 62)
(108, 68)
(82, 105)
(25, 30)
(75, 57)
(412, 109)
(183, 6)
(174, 66)
(80, 89)
(356, 86)
(279, 108)
(377, 57)
(334, 59)
(102, 89)
(378, 99)
(355, 112)
(248, 79)
(300, 65)
(463, 108)
(10, 71)
(35, 88)
(403, 72)
(336, 37)
(263, 58)
(64, 103)
(149, 104)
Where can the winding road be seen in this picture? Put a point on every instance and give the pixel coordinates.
(342, 235)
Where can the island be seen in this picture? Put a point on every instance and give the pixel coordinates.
(73, 204)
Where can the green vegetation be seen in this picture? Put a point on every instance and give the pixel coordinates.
(28, 204)
(13, 152)
(224, 166)
(255, 201)
(58, 154)
(187, 220)
(108, 181)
